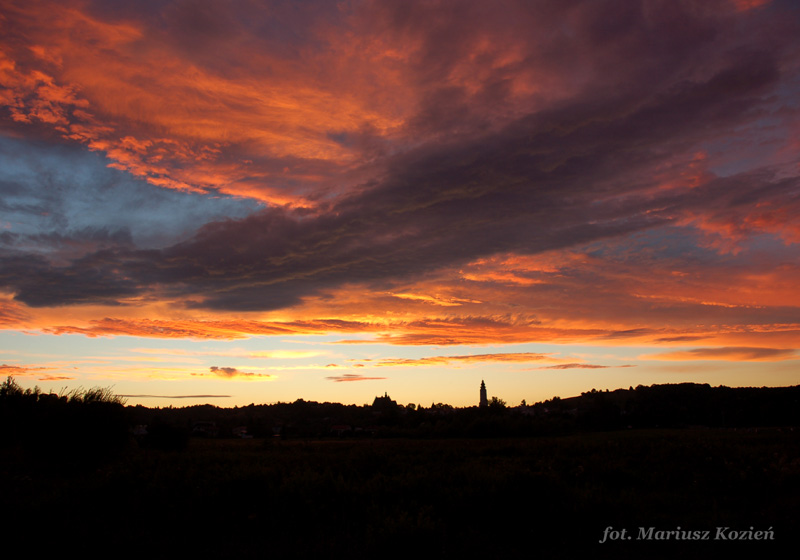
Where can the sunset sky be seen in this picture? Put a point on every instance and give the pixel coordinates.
(249, 202)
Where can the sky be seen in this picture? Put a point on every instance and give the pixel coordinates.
(251, 202)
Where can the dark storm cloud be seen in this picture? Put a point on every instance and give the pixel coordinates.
(271, 259)
(93, 278)
(576, 171)
(68, 245)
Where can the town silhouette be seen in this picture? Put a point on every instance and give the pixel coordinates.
(305, 479)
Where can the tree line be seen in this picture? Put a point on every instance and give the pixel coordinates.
(98, 420)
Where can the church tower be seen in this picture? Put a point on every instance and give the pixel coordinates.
(484, 400)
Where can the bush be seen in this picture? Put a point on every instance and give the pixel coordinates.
(79, 426)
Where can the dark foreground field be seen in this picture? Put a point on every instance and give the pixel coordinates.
(533, 498)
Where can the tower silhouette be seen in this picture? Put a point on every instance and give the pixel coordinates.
(484, 400)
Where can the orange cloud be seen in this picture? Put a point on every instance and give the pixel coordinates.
(28, 370)
(435, 299)
(518, 357)
(731, 354)
(156, 328)
(122, 88)
(487, 144)
(12, 314)
(12, 370)
(445, 331)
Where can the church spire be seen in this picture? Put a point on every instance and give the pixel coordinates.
(484, 400)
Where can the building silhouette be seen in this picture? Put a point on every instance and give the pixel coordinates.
(384, 403)
(484, 401)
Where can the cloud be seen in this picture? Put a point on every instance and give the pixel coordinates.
(231, 372)
(282, 257)
(90, 90)
(468, 330)
(581, 366)
(158, 328)
(12, 313)
(14, 370)
(352, 377)
(730, 354)
(686, 338)
(434, 300)
(46, 191)
(518, 357)
(423, 174)
(547, 175)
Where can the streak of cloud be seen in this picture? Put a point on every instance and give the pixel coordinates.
(231, 372)
(731, 354)
(347, 377)
(519, 357)
(15, 370)
(583, 366)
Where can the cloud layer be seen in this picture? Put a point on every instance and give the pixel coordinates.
(423, 173)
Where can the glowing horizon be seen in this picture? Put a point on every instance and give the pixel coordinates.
(334, 200)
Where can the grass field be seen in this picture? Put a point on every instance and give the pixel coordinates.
(538, 497)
